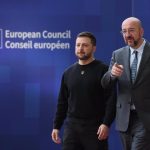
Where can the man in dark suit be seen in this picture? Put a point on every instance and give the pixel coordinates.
(130, 71)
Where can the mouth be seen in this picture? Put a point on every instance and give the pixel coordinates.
(81, 53)
(130, 39)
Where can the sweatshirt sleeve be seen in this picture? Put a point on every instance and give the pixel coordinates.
(110, 111)
(62, 106)
(110, 97)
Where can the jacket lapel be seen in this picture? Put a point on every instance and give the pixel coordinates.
(144, 59)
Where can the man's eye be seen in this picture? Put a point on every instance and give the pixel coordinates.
(128, 31)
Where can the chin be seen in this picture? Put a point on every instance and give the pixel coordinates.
(83, 58)
(130, 43)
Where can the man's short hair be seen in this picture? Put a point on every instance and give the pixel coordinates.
(89, 35)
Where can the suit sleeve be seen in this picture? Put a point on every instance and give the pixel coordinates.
(108, 80)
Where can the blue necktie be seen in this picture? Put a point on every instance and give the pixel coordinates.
(134, 67)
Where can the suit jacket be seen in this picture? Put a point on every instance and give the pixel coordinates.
(139, 92)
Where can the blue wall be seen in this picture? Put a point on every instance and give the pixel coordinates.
(30, 76)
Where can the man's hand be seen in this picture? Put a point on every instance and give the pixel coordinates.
(55, 136)
(103, 132)
(117, 70)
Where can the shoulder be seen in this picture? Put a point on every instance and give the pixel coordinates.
(147, 43)
(71, 67)
(122, 49)
(101, 64)
(121, 52)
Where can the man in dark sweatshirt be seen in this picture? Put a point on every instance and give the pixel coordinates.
(87, 108)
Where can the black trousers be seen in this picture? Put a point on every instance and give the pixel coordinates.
(82, 135)
(136, 137)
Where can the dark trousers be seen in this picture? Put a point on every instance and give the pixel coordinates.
(136, 137)
(82, 135)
